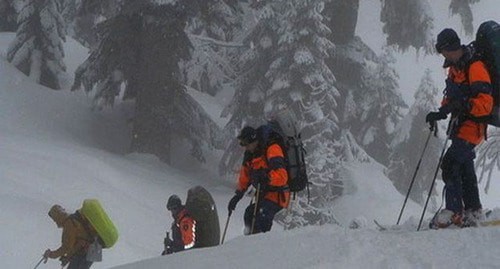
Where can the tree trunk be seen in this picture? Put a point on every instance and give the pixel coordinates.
(152, 132)
(343, 19)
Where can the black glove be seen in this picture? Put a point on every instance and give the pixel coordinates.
(167, 251)
(259, 177)
(435, 116)
(236, 198)
(64, 260)
(167, 242)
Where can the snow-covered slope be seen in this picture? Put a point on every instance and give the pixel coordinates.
(336, 247)
(55, 149)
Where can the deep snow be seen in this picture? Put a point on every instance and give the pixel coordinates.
(55, 149)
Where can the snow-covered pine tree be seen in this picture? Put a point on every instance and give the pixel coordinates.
(356, 67)
(301, 81)
(212, 29)
(342, 19)
(408, 24)
(462, 8)
(488, 157)
(142, 48)
(286, 69)
(246, 107)
(408, 143)
(379, 107)
(8, 16)
(82, 16)
(37, 50)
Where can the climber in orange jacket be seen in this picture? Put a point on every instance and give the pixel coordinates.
(468, 96)
(263, 167)
(183, 228)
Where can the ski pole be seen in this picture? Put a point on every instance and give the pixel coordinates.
(414, 176)
(39, 262)
(436, 172)
(225, 228)
(255, 208)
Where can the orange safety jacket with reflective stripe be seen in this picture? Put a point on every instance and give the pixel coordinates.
(273, 163)
(480, 102)
(184, 231)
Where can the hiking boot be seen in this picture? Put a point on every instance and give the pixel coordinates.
(473, 217)
(446, 218)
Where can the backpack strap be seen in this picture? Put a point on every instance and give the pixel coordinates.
(78, 217)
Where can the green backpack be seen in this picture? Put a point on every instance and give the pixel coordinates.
(97, 217)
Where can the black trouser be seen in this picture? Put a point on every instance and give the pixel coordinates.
(264, 218)
(79, 262)
(460, 178)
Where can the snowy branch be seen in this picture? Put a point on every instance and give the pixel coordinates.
(216, 42)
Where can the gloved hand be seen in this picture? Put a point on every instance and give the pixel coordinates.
(167, 242)
(259, 177)
(435, 116)
(167, 251)
(236, 198)
(64, 260)
(46, 255)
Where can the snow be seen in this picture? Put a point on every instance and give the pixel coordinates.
(55, 149)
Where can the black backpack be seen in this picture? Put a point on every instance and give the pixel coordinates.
(294, 152)
(201, 206)
(487, 49)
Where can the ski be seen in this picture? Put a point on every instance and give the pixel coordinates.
(380, 226)
(383, 228)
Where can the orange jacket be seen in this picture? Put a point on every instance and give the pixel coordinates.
(480, 101)
(273, 164)
(183, 231)
(75, 239)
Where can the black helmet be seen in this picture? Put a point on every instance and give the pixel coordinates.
(247, 135)
(174, 202)
(447, 40)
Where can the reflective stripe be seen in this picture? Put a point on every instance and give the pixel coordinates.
(276, 163)
(193, 230)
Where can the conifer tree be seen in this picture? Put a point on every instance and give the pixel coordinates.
(37, 50)
(463, 8)
(408, 144)
(8, 16)
(212, 31)
(286, 69)
(408, 24)
(488, 158)
(82, 17)
(142, 48)
(379, 105)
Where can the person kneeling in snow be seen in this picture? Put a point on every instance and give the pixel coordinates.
(183, 228)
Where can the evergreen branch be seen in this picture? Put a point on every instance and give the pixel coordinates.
(217, 42)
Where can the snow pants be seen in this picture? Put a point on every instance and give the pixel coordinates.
(459, 176)
(79, 262)
(264, 217)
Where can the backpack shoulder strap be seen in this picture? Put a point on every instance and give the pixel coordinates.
(78, 218)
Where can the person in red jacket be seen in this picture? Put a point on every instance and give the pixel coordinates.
(183, 228)
(467, 97)
(264, 168)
